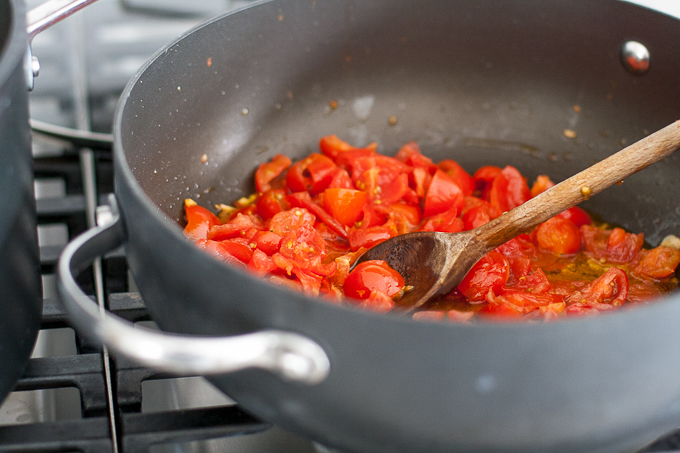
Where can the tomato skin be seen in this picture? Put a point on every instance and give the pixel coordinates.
(508, 190)
(559, 236)
(199, 221)
(577, 215)
(345, 205)
(313, 173)
(595, 240)
(234, 228)
(370, 236)
(442, 195)
(268, 171)
(374, 275)
(271, 202)
(659, 262)
(332, 146)
(534, 283)
(489, 274)
(623, 247)
(608, 290)
(459, 176)
(447, 222)
(229, 251)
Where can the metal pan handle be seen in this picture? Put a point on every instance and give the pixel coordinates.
(291, 356)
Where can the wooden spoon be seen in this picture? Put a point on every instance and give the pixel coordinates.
(434, 263)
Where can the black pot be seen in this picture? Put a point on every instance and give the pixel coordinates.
(20, 286)
(481, 82)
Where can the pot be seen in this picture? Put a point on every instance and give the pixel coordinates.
(480, 82)
(20, 285)
(20, 281)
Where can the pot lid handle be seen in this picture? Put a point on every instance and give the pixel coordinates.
(291, 356)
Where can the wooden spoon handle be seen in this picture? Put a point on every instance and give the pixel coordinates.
(579, 187)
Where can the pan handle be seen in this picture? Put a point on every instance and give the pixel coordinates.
(291, 356)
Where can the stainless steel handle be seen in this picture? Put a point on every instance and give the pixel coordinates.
(49, 13)
(291, 356)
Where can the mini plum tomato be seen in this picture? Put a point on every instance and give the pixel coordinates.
(490, 273)
(374, 275)
(559, 236)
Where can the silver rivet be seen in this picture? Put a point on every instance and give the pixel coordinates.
(35, 66)
(635, 57)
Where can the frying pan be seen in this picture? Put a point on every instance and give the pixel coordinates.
(481, 82)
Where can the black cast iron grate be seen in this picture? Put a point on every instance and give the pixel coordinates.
(136, 431)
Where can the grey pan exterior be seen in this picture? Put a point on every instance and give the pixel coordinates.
(20, 286)
(481, 82)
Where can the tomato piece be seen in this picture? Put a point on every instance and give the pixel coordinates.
(447, 222)
(534, 283)
(442, 195)
(371, 217)
(393, 191)
(559, 236)
(199, 221)
(345, 205)
(313, 173)
(489, 274)
(419, 181)
(268, 171)
(486, 174)
(268, 242)
(304, 200)
(595, 240)
(230, 252)
(260, 263)
(374, 275)
(271, 202)
(529, 300)
(459, 176)
(341, 180)
(477, 216)
(388, 168)
(370, 236)
(623, 247)
(576, 215)
(290, 220)
(332, 146)
(659, 262)
(410, 154)
(607, 291)
(378, 302)
(408, 214)
(429, 315)
(508, 190)
(542, 184)
(234, 228)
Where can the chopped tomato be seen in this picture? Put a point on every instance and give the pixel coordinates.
(459, 176)
(508, 190)
(332, 146)
(577, 215)
(303, 200)
(623, 247)
(659, 262)
(313, 174)
(447, 222)
(370, 236)
(611, 288)
(199, 221)
(271, 202)
(442, 195)
(267, 171)
(374, 275)
(410, 154)
(559, 236)
(489, 274)
(345, 205)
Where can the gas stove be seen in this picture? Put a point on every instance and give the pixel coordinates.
(73, 396)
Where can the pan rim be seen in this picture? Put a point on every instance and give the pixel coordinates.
(657, 309)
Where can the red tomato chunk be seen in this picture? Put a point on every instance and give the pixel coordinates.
(310, 220)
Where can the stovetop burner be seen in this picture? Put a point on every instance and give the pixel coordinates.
(71, 398)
